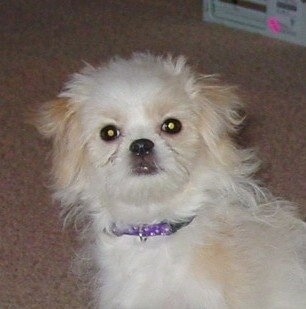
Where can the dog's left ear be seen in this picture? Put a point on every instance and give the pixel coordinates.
(221, 116)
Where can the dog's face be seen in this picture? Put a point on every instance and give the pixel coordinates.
(138, 130)
(142, 136)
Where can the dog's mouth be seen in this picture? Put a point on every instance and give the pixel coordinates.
(144, 165)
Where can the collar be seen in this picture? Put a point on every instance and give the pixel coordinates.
(143, 231)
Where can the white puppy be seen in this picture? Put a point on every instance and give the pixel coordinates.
(142, 152)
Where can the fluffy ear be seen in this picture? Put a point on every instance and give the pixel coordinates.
(221, 111)
(221, 116)
(58, 120)
(52, 116)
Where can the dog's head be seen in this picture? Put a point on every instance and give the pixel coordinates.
(139, 130)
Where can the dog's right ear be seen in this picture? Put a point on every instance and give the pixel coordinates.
(52, 117)
(58, 120)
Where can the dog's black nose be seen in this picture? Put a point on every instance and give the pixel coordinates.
(141, 147)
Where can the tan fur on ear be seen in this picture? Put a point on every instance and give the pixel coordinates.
(58, 120)
(52, 116)
(221, 114)
(221, 110)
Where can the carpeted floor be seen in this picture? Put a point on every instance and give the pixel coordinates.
(42, 42)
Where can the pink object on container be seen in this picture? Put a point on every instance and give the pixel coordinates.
(274, 25)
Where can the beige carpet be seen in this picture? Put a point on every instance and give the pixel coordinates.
(42, 42)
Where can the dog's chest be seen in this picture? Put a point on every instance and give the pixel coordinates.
(155, 273)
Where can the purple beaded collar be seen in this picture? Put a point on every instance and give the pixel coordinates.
(150, 230)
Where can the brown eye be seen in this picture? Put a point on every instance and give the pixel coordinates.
(171, 126)
(109, 133)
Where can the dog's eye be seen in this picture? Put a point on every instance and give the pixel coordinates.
(171, 126)
(109, 133)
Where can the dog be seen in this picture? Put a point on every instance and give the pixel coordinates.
(173, 217)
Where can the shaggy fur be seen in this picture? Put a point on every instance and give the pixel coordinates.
(244, 248)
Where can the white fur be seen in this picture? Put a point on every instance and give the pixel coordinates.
(244, 249)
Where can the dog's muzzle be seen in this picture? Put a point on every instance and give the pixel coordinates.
(143, 157)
